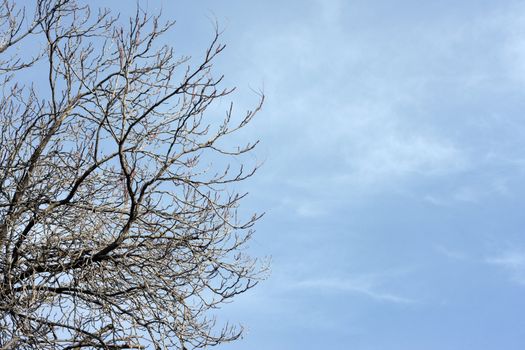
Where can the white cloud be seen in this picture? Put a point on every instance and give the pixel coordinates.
(452, 253)
(359, 113)
(513, 53)
(488, 182)
(333, 99)
(367, 285)
(513, 263)
(396, 156)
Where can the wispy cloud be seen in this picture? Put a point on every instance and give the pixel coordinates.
(450, 253)
(513, 263)
(363, 115)
(399, 156)
(367, 285)
(354, 122)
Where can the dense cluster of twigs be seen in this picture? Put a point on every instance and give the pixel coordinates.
(115, 231)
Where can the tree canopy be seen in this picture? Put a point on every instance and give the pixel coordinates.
(117, 231)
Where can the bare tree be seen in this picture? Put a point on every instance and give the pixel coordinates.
(116, 232)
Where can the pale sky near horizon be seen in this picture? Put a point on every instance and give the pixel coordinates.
(393, 142)
(393, 138)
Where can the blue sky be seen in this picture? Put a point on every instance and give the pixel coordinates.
(393, 138)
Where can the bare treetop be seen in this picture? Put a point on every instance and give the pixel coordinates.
(115, 230)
